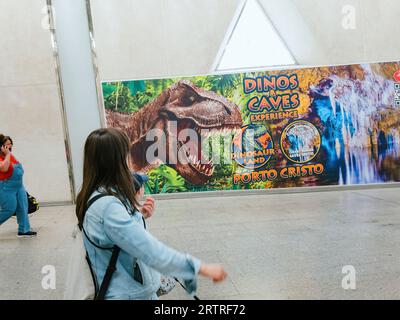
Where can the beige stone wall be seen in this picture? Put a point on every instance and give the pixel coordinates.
(30, 104)
(158, 38)
(318, 28)
(138, 39)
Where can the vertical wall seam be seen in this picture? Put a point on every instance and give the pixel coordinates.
(99, 90)
(64, 119)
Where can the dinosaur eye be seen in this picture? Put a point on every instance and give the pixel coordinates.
(189, 99)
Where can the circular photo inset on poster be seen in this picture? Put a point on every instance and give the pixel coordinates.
(300, 141)
(252, 147)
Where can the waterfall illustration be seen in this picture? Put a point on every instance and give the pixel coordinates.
(302, 142)
(355, 115)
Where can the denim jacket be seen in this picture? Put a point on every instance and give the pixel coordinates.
(107, 223)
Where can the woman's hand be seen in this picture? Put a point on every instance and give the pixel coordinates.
(147, 208)
(5, 150)
(5, 165)
(213, 271)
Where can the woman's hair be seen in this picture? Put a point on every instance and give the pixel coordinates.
(4, 138)
(105, 165)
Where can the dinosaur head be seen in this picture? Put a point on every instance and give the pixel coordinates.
(206, 113)
(181, 106)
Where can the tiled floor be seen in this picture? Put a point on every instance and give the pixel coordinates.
(274, 246)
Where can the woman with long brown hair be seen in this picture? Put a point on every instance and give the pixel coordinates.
(117, 219)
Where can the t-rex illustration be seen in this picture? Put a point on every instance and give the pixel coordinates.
(191, 107)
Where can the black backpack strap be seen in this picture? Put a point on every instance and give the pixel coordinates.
(92, 243)
(107, 277)
(100, 293)
(194, 296)
(95, 198)
(94, 279)
(90, 202)
(144, 223)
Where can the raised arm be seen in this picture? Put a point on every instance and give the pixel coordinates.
(5, 164)
(131, 237)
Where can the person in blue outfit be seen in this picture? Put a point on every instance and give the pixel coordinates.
(13, 197)
(117, 219)
(139, 179)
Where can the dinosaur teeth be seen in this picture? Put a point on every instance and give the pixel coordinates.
(204, 166)
(193, 159)
(205, 133)
(216, 131)
(209, 171)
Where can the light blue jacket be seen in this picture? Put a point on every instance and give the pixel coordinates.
(107, 223)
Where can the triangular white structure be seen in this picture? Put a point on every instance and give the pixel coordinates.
(253, 42)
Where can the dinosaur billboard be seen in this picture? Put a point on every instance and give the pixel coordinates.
(267, 129)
